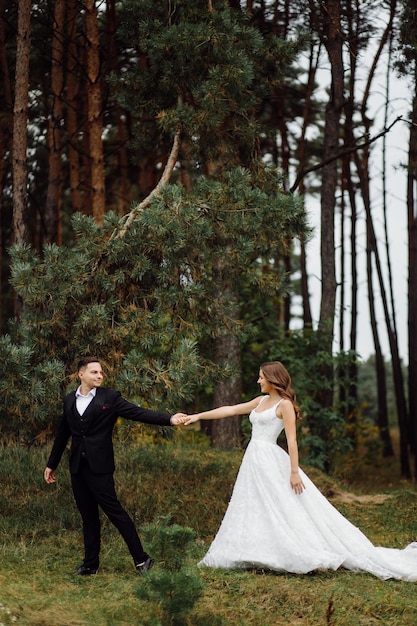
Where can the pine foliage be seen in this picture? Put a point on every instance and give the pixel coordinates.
(201, 68)
(173, 587)
(142, 303)
(144, 299)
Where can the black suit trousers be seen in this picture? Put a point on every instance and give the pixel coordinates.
(92, 490)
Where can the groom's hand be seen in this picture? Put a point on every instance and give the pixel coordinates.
(49, 475)
(178, 418)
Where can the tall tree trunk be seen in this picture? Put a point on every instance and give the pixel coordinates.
(384, 184)
(226, 433)
(7, 117)
(73, 105)
(350, 374)
(382, 414)
(363, 171)
(362, 166)
(353, 17)
(3, 142)
(300, 158)
(94, 103)
(388, 449)
(412, 275)
(332, 40)
(6, 126)
(52, 216)
(120, 190)
(353, 367)
(333, 43)
(307, 315)
(342, 271)
(20, 119)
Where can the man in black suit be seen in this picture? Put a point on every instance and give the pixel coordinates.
(88, 417)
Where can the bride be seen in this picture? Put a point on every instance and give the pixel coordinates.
(277, 519)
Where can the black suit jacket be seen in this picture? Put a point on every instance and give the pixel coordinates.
(92, 432)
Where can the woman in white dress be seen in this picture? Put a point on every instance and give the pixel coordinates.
(277, 519)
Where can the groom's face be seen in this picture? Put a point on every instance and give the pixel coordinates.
(91, 375)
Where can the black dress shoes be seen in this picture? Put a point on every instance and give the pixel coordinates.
(145, 566)
(86, 571)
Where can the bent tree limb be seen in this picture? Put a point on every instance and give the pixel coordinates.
(164, 180)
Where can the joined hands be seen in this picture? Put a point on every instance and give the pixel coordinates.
(183, 418)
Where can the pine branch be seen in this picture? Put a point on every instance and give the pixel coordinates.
(340, 154)
(164, 180)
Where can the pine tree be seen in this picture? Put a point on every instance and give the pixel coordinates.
(173, 587)
(152, 292)
(142, 303)
(202, 72)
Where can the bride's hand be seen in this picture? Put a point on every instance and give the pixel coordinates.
(192, 418)
(296, 482)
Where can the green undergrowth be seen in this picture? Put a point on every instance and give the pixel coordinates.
(41, 545)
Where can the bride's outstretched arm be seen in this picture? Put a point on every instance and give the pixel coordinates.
(224, 411)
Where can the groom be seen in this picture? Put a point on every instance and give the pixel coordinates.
(88, 417)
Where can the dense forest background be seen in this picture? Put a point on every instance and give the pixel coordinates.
(157, 165)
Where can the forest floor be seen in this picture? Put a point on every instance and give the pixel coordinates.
(40, 545)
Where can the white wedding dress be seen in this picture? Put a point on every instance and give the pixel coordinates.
(268, 526)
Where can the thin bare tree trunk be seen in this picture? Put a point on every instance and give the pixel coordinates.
(342, 273)
(382, 414)
(20, 117)
(362, 167)
(353, 16)
(6, 126)
(388, 449)
(332, 40)
(3, 142)
(73, 103)
(412, 276)
(363, 171)
(94, 103)
(300, 157)
(120, 185)
(353, 368)
(53, 209)
(384, 185)
(350, 374)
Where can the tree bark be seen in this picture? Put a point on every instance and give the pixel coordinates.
(120, 187)
(300, 158)
(332, 40)
(363, 171)
(6, 126)
(412, 277)
(333, 44)
(226, 433)
(379, 358)
(73, 105)
(53, 209)
(94, 104)
(20, 119)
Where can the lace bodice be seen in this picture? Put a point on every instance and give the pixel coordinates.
(266, 426)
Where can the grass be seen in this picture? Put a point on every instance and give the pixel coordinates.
(41, 544)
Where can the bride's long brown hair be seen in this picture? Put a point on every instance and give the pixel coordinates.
(277, 376)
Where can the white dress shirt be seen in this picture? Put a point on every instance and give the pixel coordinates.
(82, 402)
